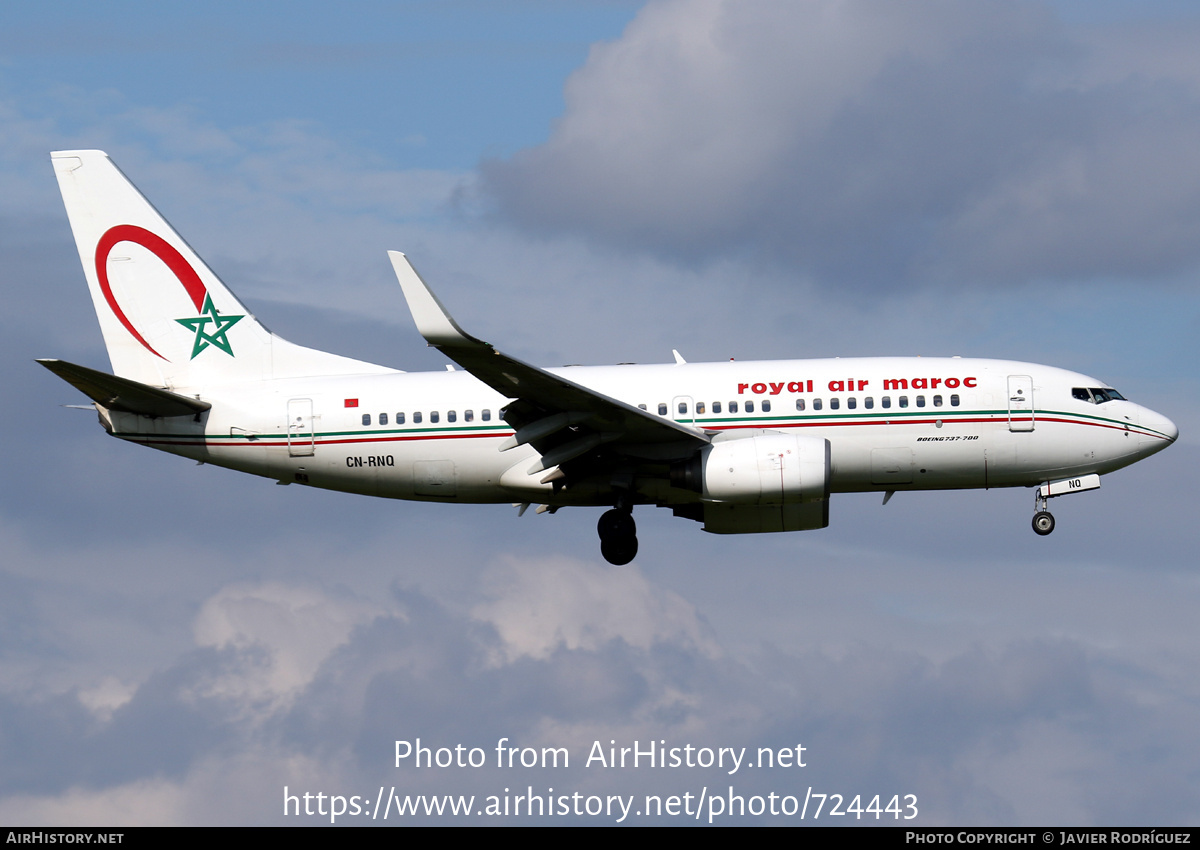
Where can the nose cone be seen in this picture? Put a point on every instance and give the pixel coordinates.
(1158, 431)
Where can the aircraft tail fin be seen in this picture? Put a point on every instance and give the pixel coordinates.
(167, 319)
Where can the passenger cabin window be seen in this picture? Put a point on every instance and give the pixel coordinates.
(662, 409)
(383, 419)
(904, 401)
(869, 403)
(733, 407)
(766, 405)
(399, 418)
(683, 407)
(486, 416)
(468, 416)
(835, 403)
(886, 401)
(749, 407)
(699, 407)
(716, 407)
(954, 400)
(816, 404)
(851, 403)
(417, 417)
(642, 406)
(366, 419)
(434, 416)
(920, 401)
(799, 404)
(451, 416)
(937, 401)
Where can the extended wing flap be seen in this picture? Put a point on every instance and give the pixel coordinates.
(124, 394)
(545, 391)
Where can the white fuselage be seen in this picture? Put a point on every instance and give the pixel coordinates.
(893, 423)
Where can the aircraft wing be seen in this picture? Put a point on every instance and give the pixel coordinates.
(563, 420)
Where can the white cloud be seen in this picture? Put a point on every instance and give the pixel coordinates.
(876, 144)
(305, 688)
(539, 606)
(107, 696)
(279, 636)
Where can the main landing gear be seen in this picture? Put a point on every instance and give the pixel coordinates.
(618, 535)
(1043, 520)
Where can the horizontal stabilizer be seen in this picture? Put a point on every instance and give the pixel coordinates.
(123, 394)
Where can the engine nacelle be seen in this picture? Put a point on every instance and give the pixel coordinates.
(766, 469)
(728, 518)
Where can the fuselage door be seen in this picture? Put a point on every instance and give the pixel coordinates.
(1020, 403)
(683, 409)
(300, 437)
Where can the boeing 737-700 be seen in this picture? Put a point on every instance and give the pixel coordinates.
(738, 446)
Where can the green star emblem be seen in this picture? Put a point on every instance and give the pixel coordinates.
(221, 325)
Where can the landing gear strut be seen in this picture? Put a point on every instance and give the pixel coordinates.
(1043, 520)
(618, 536)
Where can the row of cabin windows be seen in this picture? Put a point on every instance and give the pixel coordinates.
(885, 402)
(801, 404)
(435, 417)
(701, 408)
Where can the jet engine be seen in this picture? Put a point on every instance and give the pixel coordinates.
(767, 482)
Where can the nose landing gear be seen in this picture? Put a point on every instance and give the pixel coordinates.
(618, 536)
(1043, 520)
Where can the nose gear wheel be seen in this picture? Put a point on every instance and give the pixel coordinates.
(1043, 522)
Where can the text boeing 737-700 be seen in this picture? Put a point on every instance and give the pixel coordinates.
(739, 446)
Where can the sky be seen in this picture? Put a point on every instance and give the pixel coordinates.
(597, 182)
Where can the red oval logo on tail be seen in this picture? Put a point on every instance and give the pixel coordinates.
(162, 249)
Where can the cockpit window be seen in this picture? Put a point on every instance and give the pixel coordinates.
(1096, 395)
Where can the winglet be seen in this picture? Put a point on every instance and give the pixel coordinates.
(432, 319)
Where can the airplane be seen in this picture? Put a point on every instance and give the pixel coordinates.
(740, 446)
